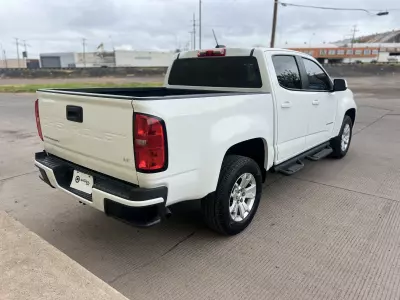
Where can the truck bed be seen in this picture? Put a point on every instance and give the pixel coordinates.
(148, 93)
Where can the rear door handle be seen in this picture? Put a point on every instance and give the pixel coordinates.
(74, 113)
(286, 104)
(315, 102)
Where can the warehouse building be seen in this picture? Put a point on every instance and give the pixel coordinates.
(12, 63)
(22, 63)
(129, 58)
(77, 60)
(58, 60)
(117, 58)
(381, 47)
(329, 53)
(95, 59)
(360, 53)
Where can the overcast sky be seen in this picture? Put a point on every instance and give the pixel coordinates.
(60, 25)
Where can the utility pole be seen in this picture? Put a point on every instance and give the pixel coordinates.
(354, 31)
(5, 58)
(274, 20)
(379, 52)
(190, 43)
(200, 24)
(26, 50)
(2, 56)
(194, 31)
(17, 44)
(84, 51)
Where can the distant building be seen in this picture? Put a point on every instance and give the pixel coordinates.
(32, 63)
(57, 60)
(12, 63)
(366, 52)
(387, 52)
(133, 58)
(94, 59)
(117, 58)
(380, 47)
(332, 54)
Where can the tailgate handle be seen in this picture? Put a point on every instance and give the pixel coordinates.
(74, 113)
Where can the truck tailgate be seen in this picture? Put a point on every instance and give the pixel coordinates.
(91, 131)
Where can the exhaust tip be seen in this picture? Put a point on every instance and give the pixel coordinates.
(168, 213)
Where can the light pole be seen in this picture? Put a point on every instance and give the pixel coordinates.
(285, 4)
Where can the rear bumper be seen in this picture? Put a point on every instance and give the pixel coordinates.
(117, 198)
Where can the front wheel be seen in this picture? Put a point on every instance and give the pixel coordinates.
(341, 143)
(233, 205)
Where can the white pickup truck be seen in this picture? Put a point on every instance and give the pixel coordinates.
(223, 118)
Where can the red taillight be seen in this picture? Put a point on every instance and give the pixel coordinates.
(213, 52)
(149, 143)
(37, 117)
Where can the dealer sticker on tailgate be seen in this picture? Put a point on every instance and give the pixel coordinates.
(82, 182)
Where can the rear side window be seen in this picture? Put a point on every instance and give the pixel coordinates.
(287, 71)
(317, 78)
(227, 71)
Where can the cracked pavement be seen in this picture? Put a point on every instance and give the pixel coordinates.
(331, 231)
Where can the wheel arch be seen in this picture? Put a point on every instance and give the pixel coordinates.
(256, 149)
(352, 114)
(346, 107)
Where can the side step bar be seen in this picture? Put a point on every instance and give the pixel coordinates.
(295, 164)
(321, 154)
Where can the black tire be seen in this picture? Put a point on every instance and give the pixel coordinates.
(336, 143)
(215, 206)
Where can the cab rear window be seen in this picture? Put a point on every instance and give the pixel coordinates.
(228, 71)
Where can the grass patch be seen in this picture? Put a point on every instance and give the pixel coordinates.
(32, 88)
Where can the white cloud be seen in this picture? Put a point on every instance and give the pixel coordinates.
(58, 25)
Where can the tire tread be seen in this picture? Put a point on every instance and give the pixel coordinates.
(212, 204)
(336, 141)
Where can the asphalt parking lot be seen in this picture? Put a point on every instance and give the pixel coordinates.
(331, 231)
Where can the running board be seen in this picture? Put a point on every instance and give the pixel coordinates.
(291, 169)
(321, 154)
(295, 164)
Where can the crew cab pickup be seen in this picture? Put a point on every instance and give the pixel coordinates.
(223, 118)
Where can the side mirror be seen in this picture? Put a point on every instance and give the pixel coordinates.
(339, 85)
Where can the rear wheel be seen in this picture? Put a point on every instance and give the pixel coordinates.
(341, 143)
(233, 205)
